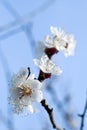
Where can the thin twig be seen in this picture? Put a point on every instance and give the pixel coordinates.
(83, 115)
(50, 113)
(67, 116)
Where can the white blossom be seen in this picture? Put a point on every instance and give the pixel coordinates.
(60, 40)
(47, 65)
(25, 90)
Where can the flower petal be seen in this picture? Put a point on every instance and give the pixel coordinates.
(30, 108)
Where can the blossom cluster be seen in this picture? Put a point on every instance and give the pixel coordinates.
(25, 89)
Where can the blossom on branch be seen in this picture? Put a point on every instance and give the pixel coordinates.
(47, 66)
(25, 90)
(61, 41)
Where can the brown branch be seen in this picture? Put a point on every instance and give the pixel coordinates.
(83, 116)
(50, 113)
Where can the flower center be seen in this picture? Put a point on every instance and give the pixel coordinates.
(25, 91)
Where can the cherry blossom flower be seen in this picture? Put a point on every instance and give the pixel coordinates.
(47, 66)
(25, 90)
(61, 41)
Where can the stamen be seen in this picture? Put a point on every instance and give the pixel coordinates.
(25, 91)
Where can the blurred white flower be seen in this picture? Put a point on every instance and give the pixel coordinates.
(25, 91)
(61, 41)
(47, 65)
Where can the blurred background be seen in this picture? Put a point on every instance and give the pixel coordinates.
(22, 24)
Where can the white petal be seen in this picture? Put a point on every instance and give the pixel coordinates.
(54, 30)
(23, 73)
(31, 76)
(57, 70)
(36, 61)
(37, 95)
(37, 84)
(40, 96)
(15, 92)
(18, 78)
(30, 108)
(49, 42)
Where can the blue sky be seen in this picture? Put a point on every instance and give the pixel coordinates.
(70, 16)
